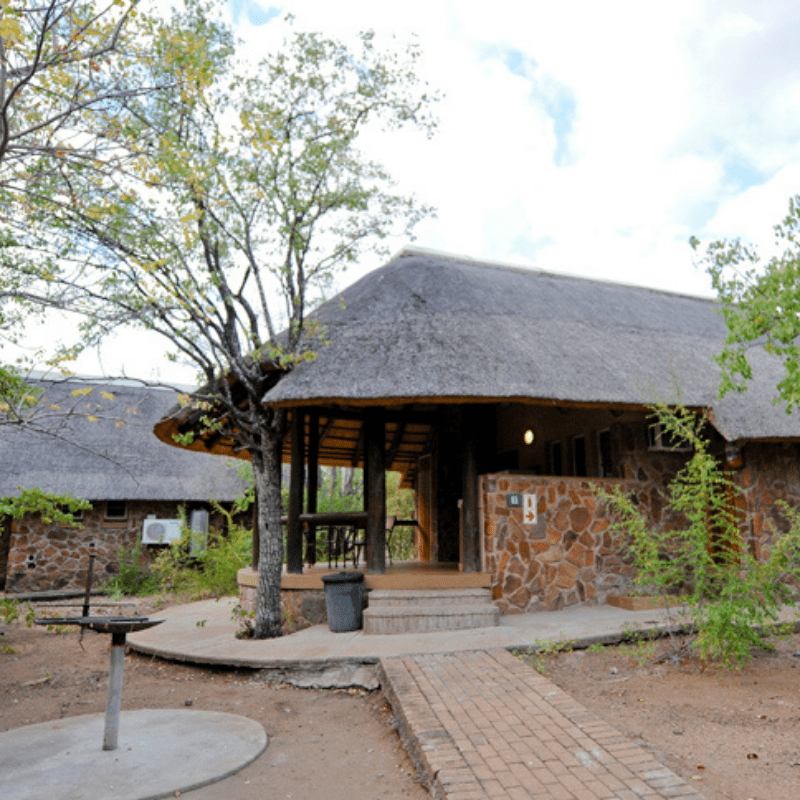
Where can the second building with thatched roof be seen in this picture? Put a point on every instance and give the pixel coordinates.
(94, 440)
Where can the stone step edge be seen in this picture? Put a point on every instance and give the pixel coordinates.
(426, 598)
(445, 594)
(427, 611)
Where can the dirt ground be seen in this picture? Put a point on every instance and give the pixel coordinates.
(733, 733)
(336, 745)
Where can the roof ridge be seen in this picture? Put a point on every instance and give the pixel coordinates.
(414, 250)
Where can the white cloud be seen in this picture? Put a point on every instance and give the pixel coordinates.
(588, 137)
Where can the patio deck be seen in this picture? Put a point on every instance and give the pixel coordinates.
(400, 575)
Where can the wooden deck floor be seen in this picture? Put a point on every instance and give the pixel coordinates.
(400, 575)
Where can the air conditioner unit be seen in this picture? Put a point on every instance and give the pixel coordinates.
(161, 531)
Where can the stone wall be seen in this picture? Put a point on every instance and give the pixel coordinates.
(299, 604)
(567, 556)
(770, 472)
(45, 557)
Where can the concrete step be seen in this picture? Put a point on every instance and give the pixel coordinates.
(423, 619)
(423, 610)
(382, 598)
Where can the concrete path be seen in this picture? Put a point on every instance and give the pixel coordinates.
(483, 725)
(204, 633)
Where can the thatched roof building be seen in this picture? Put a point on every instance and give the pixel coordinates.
(440, 367)
(104, 449)
(429, 329)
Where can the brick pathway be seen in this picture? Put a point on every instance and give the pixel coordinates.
(483, 724)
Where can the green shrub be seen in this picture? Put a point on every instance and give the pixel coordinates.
(732, 599)
(11, 610)
(135, 577)
(212, 572)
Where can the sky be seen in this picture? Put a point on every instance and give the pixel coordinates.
(582, 137)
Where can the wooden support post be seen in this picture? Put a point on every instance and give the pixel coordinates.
(294, 537)
(375, 490)
(313, 484)
(470, 534)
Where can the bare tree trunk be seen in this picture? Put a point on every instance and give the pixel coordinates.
(347, 480)
(267, 473)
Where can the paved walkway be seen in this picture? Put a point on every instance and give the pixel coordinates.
(204, 633)
(485, 725)
(479, 723)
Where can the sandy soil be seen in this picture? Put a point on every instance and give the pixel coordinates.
(336, 745)
(733, 733)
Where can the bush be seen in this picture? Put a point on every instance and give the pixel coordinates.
(212, 572)
(134, 577)
(732, 599)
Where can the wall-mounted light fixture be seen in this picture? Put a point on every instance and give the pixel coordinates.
(733, 456)
(528, 437)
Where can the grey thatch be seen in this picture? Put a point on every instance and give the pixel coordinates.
(434, 328)
(116, 457)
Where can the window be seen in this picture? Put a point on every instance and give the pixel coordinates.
(116, 510)
(579, 457)
(605, 463)
(658, 438)
(554, 461)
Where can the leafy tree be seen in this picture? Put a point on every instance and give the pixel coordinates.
(243, 194)
(761, 305)
(63, 80)
(59, 61)
(51, 507)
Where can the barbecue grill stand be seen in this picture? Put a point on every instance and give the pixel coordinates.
(118, 627)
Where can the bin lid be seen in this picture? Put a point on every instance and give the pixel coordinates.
(344, 577)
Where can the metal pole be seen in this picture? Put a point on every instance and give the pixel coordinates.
(88, 596)
(114, 700)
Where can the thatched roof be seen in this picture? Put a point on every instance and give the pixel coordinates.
(430, 328)
(116, 457)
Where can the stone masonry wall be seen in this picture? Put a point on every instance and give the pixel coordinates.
(298, 604)
(568, 556)
(770, 472)
(47, 557)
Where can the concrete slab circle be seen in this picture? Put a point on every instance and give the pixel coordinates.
(161, 751)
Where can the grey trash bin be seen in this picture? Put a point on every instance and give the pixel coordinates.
(344, 593)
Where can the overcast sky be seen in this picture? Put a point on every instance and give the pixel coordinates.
(586, 137)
